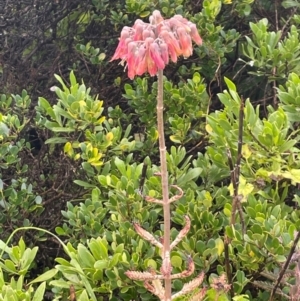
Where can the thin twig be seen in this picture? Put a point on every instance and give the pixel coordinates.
(274, 70)
(235, 173)
(143, 177)
(227, 264)
(257, 141)
(285, 266)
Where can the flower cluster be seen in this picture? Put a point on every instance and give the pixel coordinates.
(147, 47)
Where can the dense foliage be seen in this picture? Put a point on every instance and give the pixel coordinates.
(78, 156)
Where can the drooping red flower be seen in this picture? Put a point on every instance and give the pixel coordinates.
(147, 47)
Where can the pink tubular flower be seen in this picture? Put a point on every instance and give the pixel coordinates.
(172, 43)
(155, 54)
(141, 61)
(194, 33)
(121, 50)
(164, 52)
(185, 42)
(147, 47)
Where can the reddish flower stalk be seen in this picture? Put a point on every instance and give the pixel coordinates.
(148, 47)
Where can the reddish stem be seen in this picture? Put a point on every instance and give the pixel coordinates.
(164, 180)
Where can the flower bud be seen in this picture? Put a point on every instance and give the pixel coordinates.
(156, 17)
(138, 35)
(155, 54)
(164, 52)
(194, 33)
(185, 42)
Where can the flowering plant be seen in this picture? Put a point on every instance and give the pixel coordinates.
(147, 47)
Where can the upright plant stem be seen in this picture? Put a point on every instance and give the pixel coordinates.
(164, 179)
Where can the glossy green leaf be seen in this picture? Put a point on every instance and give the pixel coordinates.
(45, 276)
(56, 140)
(120, 165)
(101, 264)
(84, 184)
(176, 261)
(39, 293)
(85, 258)
(192, 174)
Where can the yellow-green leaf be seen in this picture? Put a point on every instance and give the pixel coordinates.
(219, 245)
(246, 152)
(109, 136)
(176, 261)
